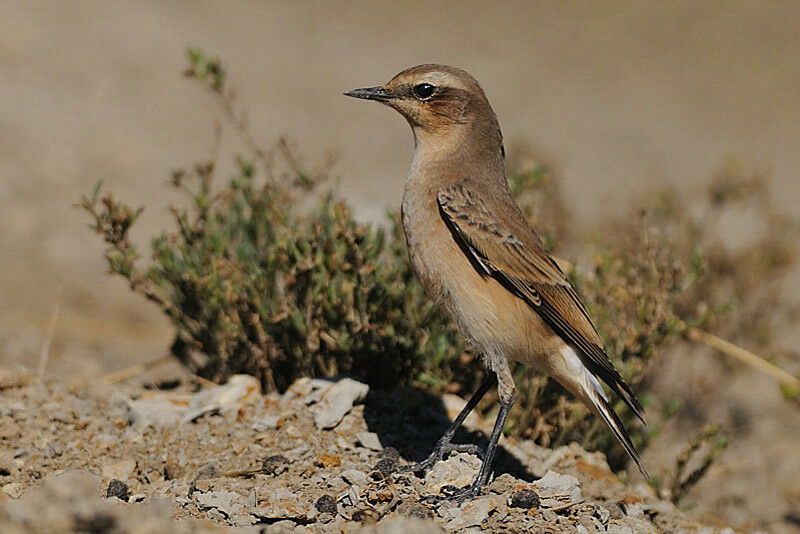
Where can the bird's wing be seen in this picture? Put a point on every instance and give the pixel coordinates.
(504, 246)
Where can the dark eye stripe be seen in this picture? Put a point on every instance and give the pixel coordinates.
(424, 90)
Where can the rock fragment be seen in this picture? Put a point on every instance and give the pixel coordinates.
(554, 485)
(268, 422)
(525, 499)
(121, 469)
(459, 470)
(473, 512)
(117, 488)
(164, 409)
(337, 401)
(326, 505)
(274, 465)
(369, 440)
(386, 467)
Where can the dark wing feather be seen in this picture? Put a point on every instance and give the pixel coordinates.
(507, 248)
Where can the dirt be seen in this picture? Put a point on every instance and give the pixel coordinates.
(132, 457)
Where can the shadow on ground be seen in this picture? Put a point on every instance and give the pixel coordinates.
(412, 420)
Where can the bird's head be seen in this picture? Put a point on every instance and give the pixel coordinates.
(439, 102)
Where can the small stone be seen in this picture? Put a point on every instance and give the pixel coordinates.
(207, 471)
(369, 440)
(506, 483)
(281, 504)
(268, 422)
(473, 512)
(414, 509)
(326, 505)
(366, 516)
(327, 460)
(117, 488)
(226, 502)
(274, 465)
(354, 476)
(553, 484)
(325, 518)
(337, 401)
(526, 499)
(173, 470)
(459, 471)
(386, 467)
(120, 470)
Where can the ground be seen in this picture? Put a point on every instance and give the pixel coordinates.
(168, 452)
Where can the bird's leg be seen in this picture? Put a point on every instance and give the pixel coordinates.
(506, 391)
(444, 446)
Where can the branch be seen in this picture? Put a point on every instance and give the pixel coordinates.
(728, 348)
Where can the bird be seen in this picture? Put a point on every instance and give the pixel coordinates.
(475, 253)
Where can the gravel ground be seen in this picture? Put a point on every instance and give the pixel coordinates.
(166, 453)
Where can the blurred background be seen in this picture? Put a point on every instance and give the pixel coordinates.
(620, 97)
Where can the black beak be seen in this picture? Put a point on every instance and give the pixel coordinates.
(371, 93)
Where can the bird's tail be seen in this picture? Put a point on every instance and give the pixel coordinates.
(606, 411)
(592, 394)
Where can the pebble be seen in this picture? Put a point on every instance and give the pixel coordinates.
(117, 488)
(121, 470)
(164, 409)
(525, 499)
(472, 512)
(354, 476)
(326, 505)
(459, 470)
(226, 502)
(268, 422)
(274, 465)
(386, 467)
(284, 504)
(369, 440)
(553, 485)
(337, 401)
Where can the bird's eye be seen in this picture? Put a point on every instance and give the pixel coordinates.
(423, 90)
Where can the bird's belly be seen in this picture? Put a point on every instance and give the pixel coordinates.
(494, 320)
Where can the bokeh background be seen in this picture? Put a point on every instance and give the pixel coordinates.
(621, 97)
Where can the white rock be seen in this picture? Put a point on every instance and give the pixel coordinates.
(459, 471)
(354, 476)
(370, 440)
(161, 409)
(553, 485)
(473, 512)
(268, 422)
(337, 401)
(121, 470)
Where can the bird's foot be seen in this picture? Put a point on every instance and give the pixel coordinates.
(454, 494)
(441, 452)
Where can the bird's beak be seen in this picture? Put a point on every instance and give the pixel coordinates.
(378, 93)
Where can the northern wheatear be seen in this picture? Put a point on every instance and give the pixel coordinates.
(477, 257)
